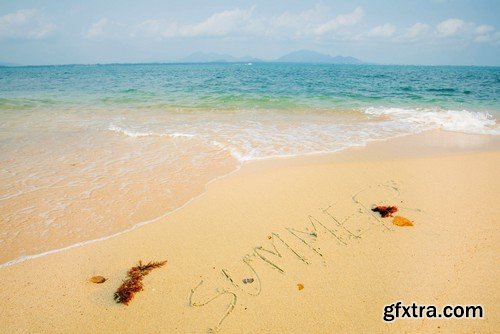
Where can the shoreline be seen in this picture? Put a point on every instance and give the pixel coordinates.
(486, 143)
(347, 271)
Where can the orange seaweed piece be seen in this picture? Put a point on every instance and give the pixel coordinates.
(300, 286)
(402, 221)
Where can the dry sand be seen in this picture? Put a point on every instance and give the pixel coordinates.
(352, 265)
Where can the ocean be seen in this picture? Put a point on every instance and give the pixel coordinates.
(91, 151)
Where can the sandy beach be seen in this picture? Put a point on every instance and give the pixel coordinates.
(300, 232)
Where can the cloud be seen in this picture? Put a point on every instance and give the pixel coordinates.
(340, 21)
(493, 38)
(97, 29)
(25, 24)
(300, 20)
(486, 34)
(468, 31)
(104, 29)
(451, 30)
(417, 30)
(386, 30)
(450, 27)
(316, 24)
(243, 22)
(484, 29)
(148, 28)
(225, 23)
(295, 25)
(219, 24)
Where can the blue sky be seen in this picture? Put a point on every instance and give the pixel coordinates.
(390, 32)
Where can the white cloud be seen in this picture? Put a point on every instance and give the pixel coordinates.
(315, 24)
(340, 21)
(386, 30)
(296, 25)
(239, 22)
(417, 30)
(97, 28)
(493, 38)
(228, 22)
(484, 29)
(482, 39)
(148, 28)
(104, 29)
(450, 27)
(300, 20)
(25, 24)
(219, 24)
(468, 31)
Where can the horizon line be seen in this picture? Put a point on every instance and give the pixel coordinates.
(10, 65)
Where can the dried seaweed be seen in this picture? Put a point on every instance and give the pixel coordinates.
(385, 211)
(133, 283)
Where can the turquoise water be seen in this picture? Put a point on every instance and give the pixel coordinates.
(88, 152)
(227, 86)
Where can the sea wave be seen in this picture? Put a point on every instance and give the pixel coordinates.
(136, 134)
(256, 136)
(473, 122)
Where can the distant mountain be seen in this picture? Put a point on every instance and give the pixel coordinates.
(308, 56)
(248, 59)
(201, 57)
(302, 56)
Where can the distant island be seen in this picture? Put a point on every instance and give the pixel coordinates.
(307, 56)
(201, 57)
(301, 56)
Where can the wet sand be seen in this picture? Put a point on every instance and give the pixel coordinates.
(287, 222)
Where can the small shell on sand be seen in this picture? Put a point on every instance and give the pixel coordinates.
(247, 280)
(300, 286)
(97, 279)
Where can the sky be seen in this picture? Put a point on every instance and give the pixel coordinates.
(422, 32)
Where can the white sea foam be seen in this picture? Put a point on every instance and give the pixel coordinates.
(450, 120)
(269, 135)
(136, 134)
